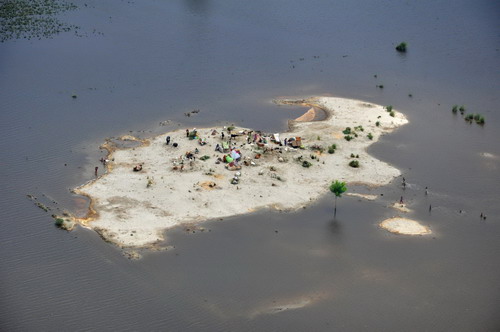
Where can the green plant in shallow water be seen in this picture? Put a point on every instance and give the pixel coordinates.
(454, 109)
(337, 188)
(480, 119)
(59, 222)
(462, 109)
(388, 108)
(401, 47)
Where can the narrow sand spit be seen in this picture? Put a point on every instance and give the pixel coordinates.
(132, 209)
(404, 226)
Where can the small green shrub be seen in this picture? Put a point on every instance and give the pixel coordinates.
(462, 109)
(388, 108)
(454, 109)
(354, 163)
(469, 117)
(318, 138)
(370, 136)
(401, 47)
(352, 155)
(377, 123)
(59, 222)
(347, 131)
(306, 164)
(392, 114)
(348, 137)
(332, 148)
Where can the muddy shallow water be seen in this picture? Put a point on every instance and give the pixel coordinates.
(156, 61)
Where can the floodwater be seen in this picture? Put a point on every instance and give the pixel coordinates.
(152, 61)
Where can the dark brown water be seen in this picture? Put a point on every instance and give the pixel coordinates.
(157, 60)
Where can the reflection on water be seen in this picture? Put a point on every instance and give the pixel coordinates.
(156, 61)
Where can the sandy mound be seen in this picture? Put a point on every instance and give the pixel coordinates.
(307, 116)
(175, 185)
(404, 226)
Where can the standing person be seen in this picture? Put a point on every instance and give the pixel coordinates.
(222, 135)
(401, 200)
(187, 132)
(168, 140)
(96, 168)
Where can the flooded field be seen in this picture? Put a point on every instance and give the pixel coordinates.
(136, 68)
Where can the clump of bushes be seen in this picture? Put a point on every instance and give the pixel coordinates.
(475, 117)
(454, 109)
(346, 131)
(370, 136)
(205, 157)
(462, 109)
(348, 137)
(479, 119)
(377, 123)
(388, 108)
(354, 163)
(392, 113)
(332, 148)
(401, 47)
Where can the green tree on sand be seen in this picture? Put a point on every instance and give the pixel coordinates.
(338, 188)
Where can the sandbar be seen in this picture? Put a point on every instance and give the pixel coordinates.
(404, 226)
(133, 209)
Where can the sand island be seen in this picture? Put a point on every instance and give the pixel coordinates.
(209, 173)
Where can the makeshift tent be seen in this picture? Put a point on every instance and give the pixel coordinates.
(235, 155)
(276, 138)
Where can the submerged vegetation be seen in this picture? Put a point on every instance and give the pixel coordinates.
(33, 19)
(401, 47)
(478, 118)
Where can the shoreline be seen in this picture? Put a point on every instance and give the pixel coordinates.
(133, 209)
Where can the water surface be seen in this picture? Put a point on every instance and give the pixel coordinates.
(152, 61)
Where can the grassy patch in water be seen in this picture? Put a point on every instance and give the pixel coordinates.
(33, 19)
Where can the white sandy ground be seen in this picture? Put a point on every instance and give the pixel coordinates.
(404, 226)
(125, 211)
